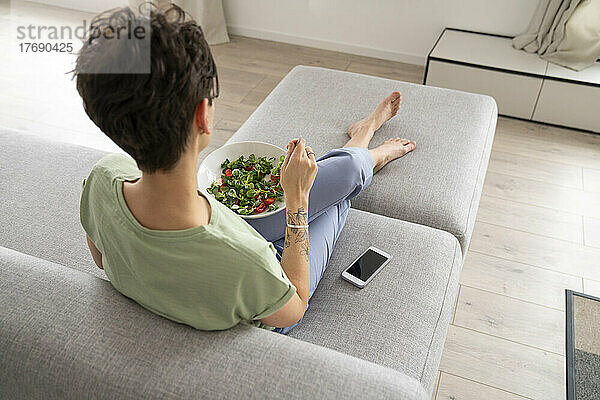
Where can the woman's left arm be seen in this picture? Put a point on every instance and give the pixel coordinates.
(96, 255)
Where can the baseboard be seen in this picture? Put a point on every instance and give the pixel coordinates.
(327, 45)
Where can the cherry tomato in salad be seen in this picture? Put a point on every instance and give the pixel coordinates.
(261, 207)
(228, 172)
(269, 200)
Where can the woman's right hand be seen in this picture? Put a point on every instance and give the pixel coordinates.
(298, 170)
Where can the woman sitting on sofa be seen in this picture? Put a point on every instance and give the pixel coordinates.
(162, 243)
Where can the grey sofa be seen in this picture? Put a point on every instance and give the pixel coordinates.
(66, 333)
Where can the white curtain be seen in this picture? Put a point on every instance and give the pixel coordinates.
(207, 13)
(565, 32)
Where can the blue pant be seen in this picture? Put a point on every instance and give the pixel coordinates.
(342, 174)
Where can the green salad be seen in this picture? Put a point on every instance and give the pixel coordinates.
(249, 185)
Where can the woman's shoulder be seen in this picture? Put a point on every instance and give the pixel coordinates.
(116, 165)
(99, 196)
(109, 168)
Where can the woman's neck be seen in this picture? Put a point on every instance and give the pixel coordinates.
(168, 200)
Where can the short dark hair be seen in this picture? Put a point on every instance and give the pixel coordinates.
(148, 115)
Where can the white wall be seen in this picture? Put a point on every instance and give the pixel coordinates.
(400, 30)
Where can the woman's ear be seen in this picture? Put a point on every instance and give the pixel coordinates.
(201, 117)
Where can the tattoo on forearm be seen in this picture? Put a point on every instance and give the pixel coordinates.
(298, 235)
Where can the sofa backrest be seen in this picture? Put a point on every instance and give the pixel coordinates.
(67, 334)
(39, 204)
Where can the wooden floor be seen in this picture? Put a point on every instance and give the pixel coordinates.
(537, 230)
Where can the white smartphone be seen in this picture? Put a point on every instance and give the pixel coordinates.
(366, 266)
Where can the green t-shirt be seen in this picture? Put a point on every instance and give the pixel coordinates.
(211, 277)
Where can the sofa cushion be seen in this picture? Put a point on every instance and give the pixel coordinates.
(67, 334)
(438, 184)
(401, 317)
(39, 208)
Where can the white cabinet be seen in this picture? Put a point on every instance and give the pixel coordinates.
(564, 103)
(514, 94)
(523, 85)
(570, 98)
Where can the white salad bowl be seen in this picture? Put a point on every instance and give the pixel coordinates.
(210, 168)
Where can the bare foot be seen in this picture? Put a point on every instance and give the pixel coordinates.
(363, 130)
(390, 150)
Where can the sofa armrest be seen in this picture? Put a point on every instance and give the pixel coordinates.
(67, 334)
